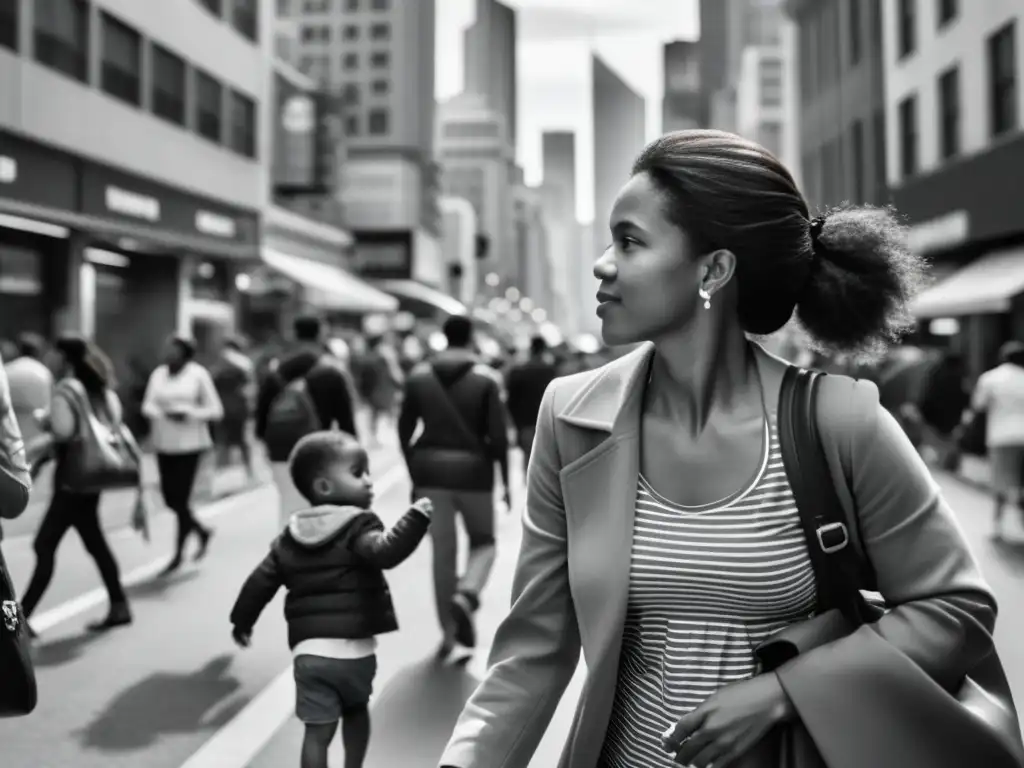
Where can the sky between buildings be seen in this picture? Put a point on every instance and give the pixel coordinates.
(555, 40)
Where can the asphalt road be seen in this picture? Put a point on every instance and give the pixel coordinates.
(172, 691)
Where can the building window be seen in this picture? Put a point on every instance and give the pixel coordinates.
(380, 87)
(350, 32)
(283, 8)
(1002, 75)
(380, 59)
(878, 132)
(9, 24)
(120, 60)
(857, 150)
(245, 18)
(856, 41)
(949, 113)
(215, 7)
(380, 32)
(381, 5)
(312, 33)
(908, 136)
(350, 61)
(350, 94)
(168, 86)
(243, 124)
(906, 23)
(208, 107)
(351, 125)
(62, 36)
(876, 23)
(946, 11)
(377, 122)
(351, 5)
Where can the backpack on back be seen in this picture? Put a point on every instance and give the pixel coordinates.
(292, 416)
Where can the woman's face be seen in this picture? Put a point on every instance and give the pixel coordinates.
(649, 274)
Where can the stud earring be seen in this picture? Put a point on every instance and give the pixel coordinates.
(703, 293)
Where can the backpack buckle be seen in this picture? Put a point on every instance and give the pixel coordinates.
(833, 537)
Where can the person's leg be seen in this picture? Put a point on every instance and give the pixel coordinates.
(177, 479)
(315, 744)
(87, 523)
(317, 706)
(445, 552)
(56, 522)
(477, 510)
(355, 686)
(1004, 482)
(355, 734)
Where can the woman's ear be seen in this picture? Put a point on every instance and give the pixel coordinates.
(719, 268)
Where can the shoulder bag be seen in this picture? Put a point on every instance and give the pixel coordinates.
(839, 568)
(99, 457)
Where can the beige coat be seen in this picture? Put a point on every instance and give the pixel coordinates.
(571, 583)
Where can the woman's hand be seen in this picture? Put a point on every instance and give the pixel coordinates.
(729, 723)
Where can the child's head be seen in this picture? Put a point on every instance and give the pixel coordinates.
(332, 468)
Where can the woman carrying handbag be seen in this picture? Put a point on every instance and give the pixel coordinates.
(17, 678)
(95, 453)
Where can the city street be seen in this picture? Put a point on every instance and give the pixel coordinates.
(106, 701)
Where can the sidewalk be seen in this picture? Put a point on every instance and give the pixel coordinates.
(975, 471)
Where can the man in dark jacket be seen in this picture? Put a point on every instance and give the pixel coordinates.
(457, 399)
(329, 389)
(526, 384)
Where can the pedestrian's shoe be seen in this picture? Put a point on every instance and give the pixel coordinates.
(205, 534)
(444, 649)
(120, 615)
(464, 606)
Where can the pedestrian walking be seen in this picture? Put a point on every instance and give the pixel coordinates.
(998, 399)
(307, 391)
(382, 380)
(661, 533)
(331, 559)
(31, 383)
(234, 377)
(527, 382)
(456, 400)
(85, 410)
(181, 403)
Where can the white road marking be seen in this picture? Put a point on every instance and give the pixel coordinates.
(244, 737)
(49, 619)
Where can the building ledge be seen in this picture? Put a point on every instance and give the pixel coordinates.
(275, 217)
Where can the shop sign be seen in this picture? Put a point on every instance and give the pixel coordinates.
(33, 173)
(110, 193)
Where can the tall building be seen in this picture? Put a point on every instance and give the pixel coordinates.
(558, 192)
(683, 104)
(841, 95)
(532, 253)
(478, 164)
(619, 120)
(377, 57)
(490, 60)
(132, 167)
(953, 112)
(765, 107)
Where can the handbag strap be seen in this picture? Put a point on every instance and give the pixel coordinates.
(836, 563)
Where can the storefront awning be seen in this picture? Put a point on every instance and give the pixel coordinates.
(330, 287)
(985, 286)
(423, 294)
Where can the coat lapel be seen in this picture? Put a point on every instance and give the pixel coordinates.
(599, 493)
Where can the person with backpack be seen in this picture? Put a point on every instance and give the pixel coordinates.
(457, 399)
(307, 391)
(181, 402)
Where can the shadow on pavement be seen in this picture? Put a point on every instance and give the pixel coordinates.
(416, 713)
(62, 651)
(166, 703)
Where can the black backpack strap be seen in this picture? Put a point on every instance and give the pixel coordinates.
(836, 563)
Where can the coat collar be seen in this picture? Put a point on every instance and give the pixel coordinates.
(601, 403)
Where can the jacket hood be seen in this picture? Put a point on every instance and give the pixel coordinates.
(452, 364)
(317, 525)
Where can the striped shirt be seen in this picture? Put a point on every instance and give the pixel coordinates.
(707, 584)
